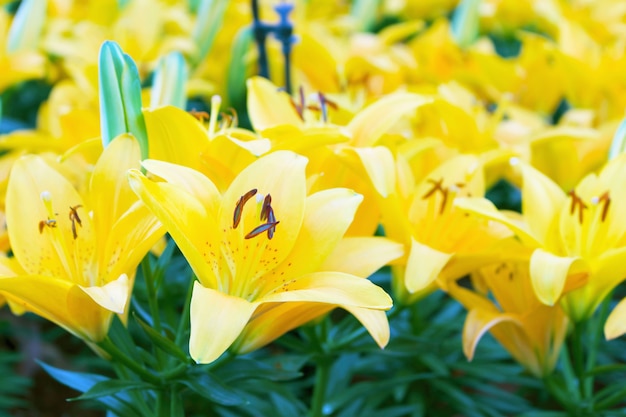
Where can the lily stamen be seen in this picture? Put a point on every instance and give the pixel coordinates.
(604, 198)
(239, 206)
(578, 202)
(438, 186)
(49, 223)
(266, 227)
(74, 218)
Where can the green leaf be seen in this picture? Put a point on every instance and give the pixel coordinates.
(119, 335)
(111, 387)
(208, 23)
(238, 69)
(162, 342)
(246, 368)
(83, 382)
(168, 84)
(210, 388)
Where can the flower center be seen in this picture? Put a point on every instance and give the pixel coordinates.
(578, 205)
(438, 188)
(266, 215)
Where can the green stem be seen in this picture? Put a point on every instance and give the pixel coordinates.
(578, 356)
(175, 407)
(153, 301)
(322, 374)
(162, 402)
(138, 399)
(594, 343)
(184, 317)
(174, 372)
(120, 357)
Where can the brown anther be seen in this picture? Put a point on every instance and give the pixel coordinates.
(438, 186)
(74, 218)
(200, 115)
(227, 120)
(239, 206)
(267, 206)
(607, 202)
(577, 202)
(266, 227)
(51, 223)
(234, 117)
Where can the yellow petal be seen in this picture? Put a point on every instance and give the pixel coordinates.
(185, 218)
(424, 266)
(269, 107)
(375, 321)
(110, 194)
(175, 136)
(128, 241)
(189, 180)
(112, 296)
(486, 209)
(272, 320)
(615, 324)
(542, 201)
(327, 216)
(377, 118)
(217, 319)
(479, 322)
(362, 256)
(380, 167)
(548, 274)
(59, 301)
(332, 288)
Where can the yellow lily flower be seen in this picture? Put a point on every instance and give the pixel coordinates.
(578, 239)
(178, 137)
(505, 305)
(76, 254)
(442, 243)
(259, 252)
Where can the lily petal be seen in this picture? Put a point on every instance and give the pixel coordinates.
(424, 266)
(189, 180)
(328, 215)
(377, 118)
(175, 136)
(332, 288)
(615, 324)
(479, 322)
(59, 301)
(269, 107)
(486, 209)
(542, 201)
(362, 256)
(217, 319)
(272, 320)
(112, 196)
(548, 274)
(112, 296)
(184, 217)
(375, 321)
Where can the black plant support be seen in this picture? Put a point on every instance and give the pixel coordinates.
(283, 30)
